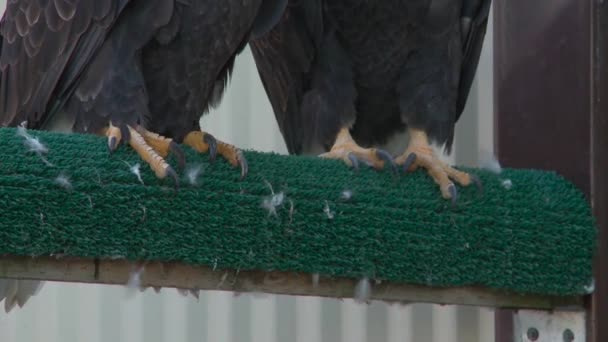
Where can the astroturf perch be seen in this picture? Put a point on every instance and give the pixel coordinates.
(529, 245)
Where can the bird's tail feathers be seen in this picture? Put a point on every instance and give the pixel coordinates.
(17, 291)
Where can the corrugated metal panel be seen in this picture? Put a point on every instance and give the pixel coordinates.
(79, 312)
(93, 313)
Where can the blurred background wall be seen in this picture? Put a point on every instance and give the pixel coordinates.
(78, 312)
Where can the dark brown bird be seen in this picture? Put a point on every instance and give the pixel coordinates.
(349, 77)
(137, 71)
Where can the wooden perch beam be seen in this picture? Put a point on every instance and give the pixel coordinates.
(183, 276)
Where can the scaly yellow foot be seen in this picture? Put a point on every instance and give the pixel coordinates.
(347, 150)
(420, 154)
(163, 146)
(151, 147)
(204, 142)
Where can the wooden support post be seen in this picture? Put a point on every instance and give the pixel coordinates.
(599, 169)
(542, 92)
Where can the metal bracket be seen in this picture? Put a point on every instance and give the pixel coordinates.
(547, 326)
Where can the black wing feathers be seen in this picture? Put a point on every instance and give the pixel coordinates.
(474, 21)
(284, 58)
(268, 16)
(43, 52)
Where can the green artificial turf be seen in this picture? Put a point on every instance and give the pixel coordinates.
(536, 237)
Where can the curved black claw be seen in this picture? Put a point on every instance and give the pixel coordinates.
(125, 136)
(382, 154)
(409, 161)
(171, 173)
(354, 161)
(125, 133)
(453, 193)
(478, 183)
(243, 163)
(212, 142)
(178, 152)
(112, 144)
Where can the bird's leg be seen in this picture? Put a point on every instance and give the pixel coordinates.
(204, 142)
(347, 150)
(151, 147)
(419, 153)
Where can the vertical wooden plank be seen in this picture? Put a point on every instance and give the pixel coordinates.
(599, 169)
(503, 325)
(542, 87)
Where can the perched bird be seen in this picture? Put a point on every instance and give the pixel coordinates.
(352, 78)
(139, 72)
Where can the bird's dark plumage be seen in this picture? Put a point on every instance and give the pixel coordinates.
(144, 66)
(160, 63)
(378, 67)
